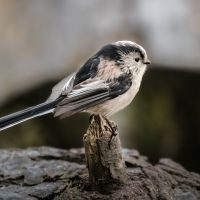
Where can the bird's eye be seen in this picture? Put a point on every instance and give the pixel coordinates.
(137, 59)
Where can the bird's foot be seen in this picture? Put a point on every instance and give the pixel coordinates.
(113, 129)
(91, 118)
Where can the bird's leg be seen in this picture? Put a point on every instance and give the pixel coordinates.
(98, 119)
(105, 124)
(113, 127)
(91, 118)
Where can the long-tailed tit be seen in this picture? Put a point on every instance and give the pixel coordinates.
(105, 84)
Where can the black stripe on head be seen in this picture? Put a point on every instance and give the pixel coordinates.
(109, 51)
(126, 49)
(112, 51)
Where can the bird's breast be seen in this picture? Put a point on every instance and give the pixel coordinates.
(112, 106)
(118, 103)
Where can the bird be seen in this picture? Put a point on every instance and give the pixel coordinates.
(105, 84)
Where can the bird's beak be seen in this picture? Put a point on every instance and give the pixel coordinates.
(147, 61)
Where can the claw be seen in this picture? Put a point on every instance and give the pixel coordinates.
(113, 129)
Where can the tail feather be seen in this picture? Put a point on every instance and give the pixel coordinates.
(26, 114)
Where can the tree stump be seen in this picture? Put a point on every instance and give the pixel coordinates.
(104, 155)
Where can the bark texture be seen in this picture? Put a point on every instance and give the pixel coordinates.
(50, 173)
(104, 155)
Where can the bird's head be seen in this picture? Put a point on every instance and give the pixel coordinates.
(126, 54)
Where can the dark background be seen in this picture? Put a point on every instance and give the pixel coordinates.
(41, 42)
(163, 120)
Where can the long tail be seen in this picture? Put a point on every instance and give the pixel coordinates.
(26, 114)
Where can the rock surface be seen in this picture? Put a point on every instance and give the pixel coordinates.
(50, 173)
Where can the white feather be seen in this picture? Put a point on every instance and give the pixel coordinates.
(87, 87)
(63, 87)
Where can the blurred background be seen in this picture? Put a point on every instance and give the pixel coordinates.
(41, 42)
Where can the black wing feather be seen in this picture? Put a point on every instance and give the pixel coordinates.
(88, 70)
(94, 96)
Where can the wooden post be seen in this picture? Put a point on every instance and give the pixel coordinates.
(104, 155)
